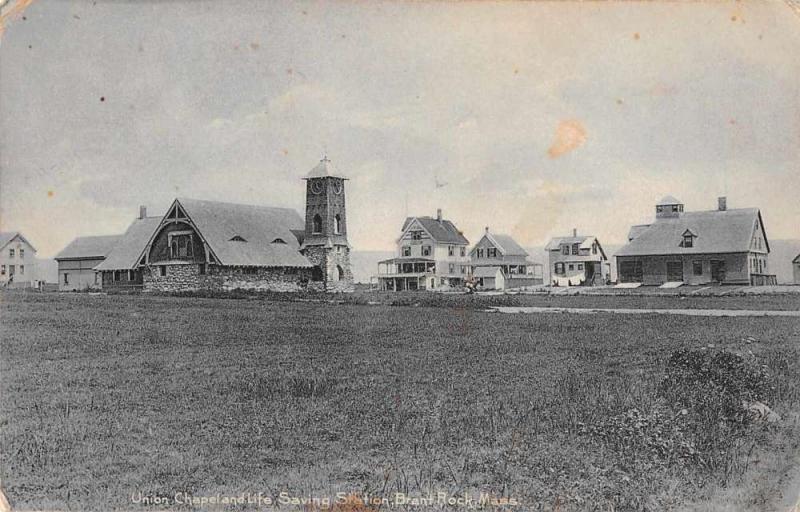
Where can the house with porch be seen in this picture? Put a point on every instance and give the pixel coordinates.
(431, 254)
(577, 260)
(500, 252)
(726, 246)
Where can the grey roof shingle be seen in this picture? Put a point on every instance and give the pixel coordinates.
(126, 253)
(7, 236)
(88, 247)
(260, 226)
(442, 231)
(717, 232)
(507, 245)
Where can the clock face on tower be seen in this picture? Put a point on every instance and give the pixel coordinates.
(337, 187)
(316, 187)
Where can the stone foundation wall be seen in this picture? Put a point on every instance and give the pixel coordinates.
(183, 277)
(328, 259)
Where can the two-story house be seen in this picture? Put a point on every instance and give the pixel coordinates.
(431, 254)
(497, 252)
(577, 260)
(17, 260)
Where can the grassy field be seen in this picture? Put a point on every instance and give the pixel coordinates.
(105, 397)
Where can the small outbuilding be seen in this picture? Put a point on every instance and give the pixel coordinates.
(489, 278)
(76, 262)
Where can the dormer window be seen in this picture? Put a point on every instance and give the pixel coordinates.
(565, 250)
(416, 235)
(237, 238)
(688, 239)
(279, 241)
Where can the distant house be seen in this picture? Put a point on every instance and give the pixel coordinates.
(77, 260)
(431, 253)
(121, 268)
(497, 250)
(577, 260)
(17, 260)
(489, 278)
(796, 267)
(716, 246)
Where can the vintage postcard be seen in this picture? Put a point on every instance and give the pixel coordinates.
(375, 256)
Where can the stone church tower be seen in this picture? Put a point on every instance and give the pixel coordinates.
(325, 240)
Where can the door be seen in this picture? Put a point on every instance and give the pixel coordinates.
(674, 271)
(589, 272)
(718, 271)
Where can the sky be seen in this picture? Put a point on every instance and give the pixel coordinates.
(539, 117)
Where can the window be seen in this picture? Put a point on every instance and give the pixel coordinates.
(426, 250)
(594, 248)
(688, 241)
(576, 248)
(659, 209)
(479, 252)
(316, 273)
(337, 224)
(162, 270)
(11, 270)
(279, 241)
(237, 238)
(451, 269)
(675, 208)
(2, 270)
(66, 278)
(11, 253)
(451, 250)
(180, 245)
(697, 268)
(316, 224)
(559, 268)
(406, 250)
(116, 275)
(21, 253)
(571, 266)
(491, 252)
(565, 250)
(201, 269)
(416, 235)
(131, 275)
(463, 269)
(22, 270)
(463, 251)
(580, 266)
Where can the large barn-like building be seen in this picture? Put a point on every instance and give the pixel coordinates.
(726, 246)
(223, 246)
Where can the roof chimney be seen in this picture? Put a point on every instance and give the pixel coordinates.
(142, 212)
(574, 232)
(722, 203)
(439, 214)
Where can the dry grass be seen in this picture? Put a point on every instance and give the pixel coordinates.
(105, 396)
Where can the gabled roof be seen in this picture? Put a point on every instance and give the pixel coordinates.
(324, 169)
(486, 271)
(506, 244)
(667, 201)
(442, 231)
(8, 236)
(218, 222)
(585, 241)
(637, 230)
(128, 251)
(88, 247)
(716, 232)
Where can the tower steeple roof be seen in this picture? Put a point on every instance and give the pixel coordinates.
(324, 169)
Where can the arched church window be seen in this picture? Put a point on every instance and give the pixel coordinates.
(337, 224)
(339, 273)
(317, 224)
(316, 273)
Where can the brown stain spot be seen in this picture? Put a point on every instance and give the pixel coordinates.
(236, 46)
(255, 46)
(50, 193)
(102, 98)
(732, 121)
(285, 152)
(289, 71)
(619, 101)
(305, 13)
(733, 18)
(636, 36)
(516, 71)
(344, 36)
(570, 135)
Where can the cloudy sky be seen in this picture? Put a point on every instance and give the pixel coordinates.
(540, 117)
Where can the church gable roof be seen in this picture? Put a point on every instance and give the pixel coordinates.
(219, 223)
(715, 232)
(128, 250)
